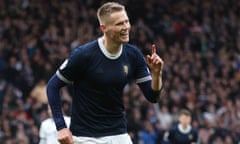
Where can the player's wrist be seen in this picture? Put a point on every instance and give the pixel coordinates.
(157, 74)
(60, 123)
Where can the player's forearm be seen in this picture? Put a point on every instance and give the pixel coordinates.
(150, 94)
(157, 81)
(53, 88)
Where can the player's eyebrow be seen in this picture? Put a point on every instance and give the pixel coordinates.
(122, 22)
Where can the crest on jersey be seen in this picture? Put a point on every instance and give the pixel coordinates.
(190, 136)
(64, 64)
(125, 69)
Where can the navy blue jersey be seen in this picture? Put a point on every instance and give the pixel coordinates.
(98, 79)
(177, 136)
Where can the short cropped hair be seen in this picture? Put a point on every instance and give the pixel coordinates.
(185, 112)
(108, 8)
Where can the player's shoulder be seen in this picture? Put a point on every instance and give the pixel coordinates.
(85, 48)
(132, 50)
(84, 51)
(173, 128)
(130, 47)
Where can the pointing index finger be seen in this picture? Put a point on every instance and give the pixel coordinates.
(153, 48)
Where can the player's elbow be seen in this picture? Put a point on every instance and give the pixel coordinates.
(153, 99)
(154, 96)
(151, 95)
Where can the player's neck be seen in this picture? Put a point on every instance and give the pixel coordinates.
(111, 47)
(185, 127)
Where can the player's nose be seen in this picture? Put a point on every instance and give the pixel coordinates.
(126, 25)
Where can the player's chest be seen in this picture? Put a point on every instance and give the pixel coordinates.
(105, 71)
(184, 138)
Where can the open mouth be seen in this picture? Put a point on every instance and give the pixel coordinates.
(124, 34)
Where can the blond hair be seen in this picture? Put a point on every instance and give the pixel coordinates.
(106, 9)
(185, 112)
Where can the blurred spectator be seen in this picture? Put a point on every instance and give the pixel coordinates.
(38, 92)
(164, 117)
(183, 132)
(148, 135)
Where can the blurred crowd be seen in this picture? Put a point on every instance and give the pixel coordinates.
(199, 41)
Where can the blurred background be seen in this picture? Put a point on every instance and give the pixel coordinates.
(199, 41)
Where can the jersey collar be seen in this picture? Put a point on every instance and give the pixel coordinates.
(105, 52)
(184, 130)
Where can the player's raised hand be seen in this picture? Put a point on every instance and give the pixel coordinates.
(65, 136)
(155, 63)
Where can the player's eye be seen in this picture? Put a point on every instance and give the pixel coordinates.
(122, 23)
(119, 24)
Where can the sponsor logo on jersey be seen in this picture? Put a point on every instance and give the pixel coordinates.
(190, 136)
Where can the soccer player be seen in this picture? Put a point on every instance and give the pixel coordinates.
(98, 71)
(183, 133)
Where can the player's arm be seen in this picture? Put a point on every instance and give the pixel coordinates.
(66, 74)
(168, 136)
(150, 83)
(152, 87)
(155, 64)
(53, 92)
(195, 138)
(165, 139)
(149, 93)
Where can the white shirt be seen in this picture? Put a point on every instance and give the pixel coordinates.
(48, 131)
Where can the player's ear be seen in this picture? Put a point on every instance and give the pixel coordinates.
(102, 28)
